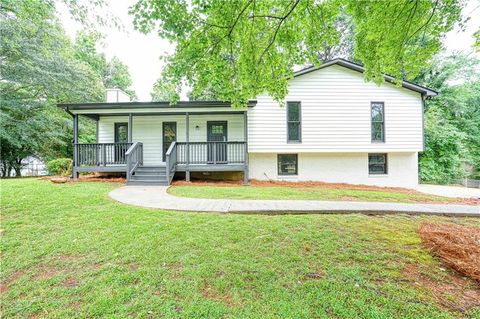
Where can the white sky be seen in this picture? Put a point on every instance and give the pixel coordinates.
(142, 52)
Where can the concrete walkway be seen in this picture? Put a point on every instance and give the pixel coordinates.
(449, 191)
(157, 197)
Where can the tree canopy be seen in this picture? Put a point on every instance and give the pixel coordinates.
(40, 68)
(452, 119)
(113, 73)
(243, 48)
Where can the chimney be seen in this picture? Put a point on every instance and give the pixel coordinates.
(117, 95)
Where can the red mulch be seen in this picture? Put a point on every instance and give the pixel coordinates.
(457, 246)
(91, 178)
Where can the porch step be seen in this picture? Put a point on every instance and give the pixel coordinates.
(149, 175)
(147, 183)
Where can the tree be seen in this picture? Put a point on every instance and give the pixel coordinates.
(452, 119)
(162, 91)
(251, 47)
(113, 73)
(117, 75)
(476, 45)
(39, 70)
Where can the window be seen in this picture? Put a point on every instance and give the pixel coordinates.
(294, 126)
(287, 164)
(377, 164)
(378, 122)
(121, 132)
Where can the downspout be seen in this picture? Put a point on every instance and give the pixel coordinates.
(423, 97)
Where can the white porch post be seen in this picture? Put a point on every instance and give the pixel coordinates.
(187, 134)
(130, 127)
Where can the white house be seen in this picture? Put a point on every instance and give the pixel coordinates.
(335, 127)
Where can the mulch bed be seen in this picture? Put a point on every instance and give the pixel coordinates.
(457, 246)
(89, 178)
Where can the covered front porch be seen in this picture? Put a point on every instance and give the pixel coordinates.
(151, 145)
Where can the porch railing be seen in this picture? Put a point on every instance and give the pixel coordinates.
(134, 157)
(101, 154)
(211, 152)
(171, 161)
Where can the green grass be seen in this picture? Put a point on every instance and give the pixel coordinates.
(305, 193)
(68, 251)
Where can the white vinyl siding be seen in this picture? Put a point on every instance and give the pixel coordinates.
(336, 115)
(148, 130)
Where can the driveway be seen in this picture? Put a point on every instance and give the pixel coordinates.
(157, 197)
(449, 191)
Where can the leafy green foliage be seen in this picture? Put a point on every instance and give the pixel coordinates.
(39, 70)
(244, 48)
(60, 166)
(452, 120)
(113, 73)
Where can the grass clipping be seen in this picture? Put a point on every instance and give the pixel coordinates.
(458, 246)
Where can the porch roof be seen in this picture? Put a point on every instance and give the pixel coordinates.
(149, 105)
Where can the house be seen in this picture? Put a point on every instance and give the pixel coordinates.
(334, 127)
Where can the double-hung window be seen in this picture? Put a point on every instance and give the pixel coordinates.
(378, 121)
(377, 164)
(294, 125)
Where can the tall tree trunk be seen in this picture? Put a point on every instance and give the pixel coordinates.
(17, 166)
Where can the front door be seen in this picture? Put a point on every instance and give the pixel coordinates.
(169, 135)
(121, 136)
(217, 132)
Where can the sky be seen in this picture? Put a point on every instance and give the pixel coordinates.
(142, 52)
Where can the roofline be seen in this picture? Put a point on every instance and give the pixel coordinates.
(162, 104)
(359, 68)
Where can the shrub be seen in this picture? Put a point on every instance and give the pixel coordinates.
(60, 166)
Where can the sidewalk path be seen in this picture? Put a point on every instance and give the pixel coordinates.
(157, 197)
(449, 191)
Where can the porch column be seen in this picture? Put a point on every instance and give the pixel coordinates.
(187, 136)
(96, 130)
(130, 127)
(97, 147)
(245, 138)
(75, 146)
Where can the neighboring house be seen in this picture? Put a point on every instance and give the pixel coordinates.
(334, 127)
(32, 166)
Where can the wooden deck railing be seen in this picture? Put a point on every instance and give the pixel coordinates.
(211, 153)
(171, 161)
(101, 154)
(134, 156)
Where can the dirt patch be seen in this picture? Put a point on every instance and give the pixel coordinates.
(70, 283)
(457, 246)
(313, 275)
(133, 266)
(5, 284)
(453, 292)
(46, 272)
(210, 293)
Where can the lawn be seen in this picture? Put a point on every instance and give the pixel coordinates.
(68, 251)
(306, 193)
